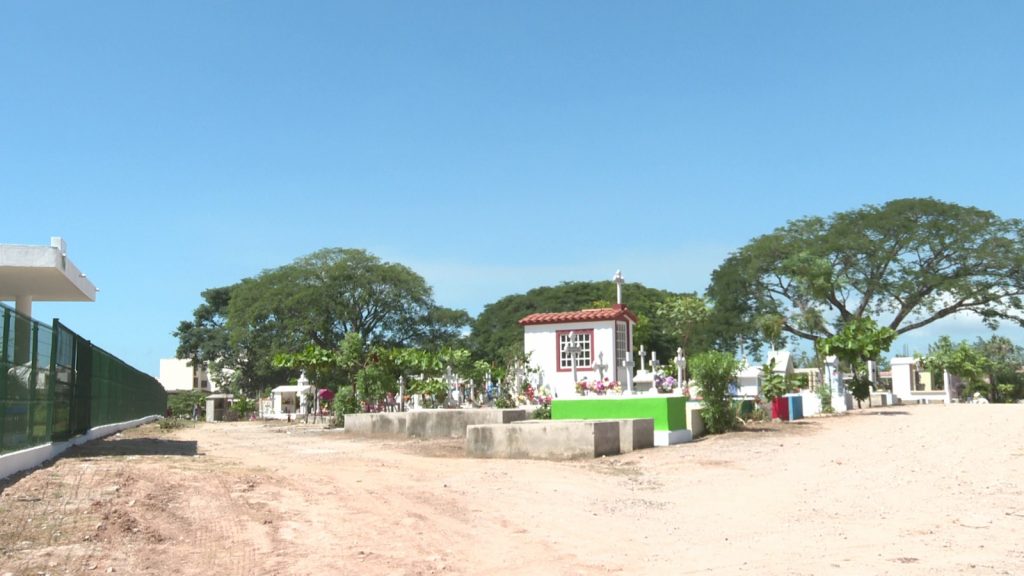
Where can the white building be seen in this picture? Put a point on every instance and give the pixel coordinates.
(292, 399)
(603, 339)
(749, 379)
(911, 383)
(41, 273)
(176, 375)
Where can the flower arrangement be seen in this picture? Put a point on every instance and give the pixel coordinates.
(598, 387)
(541, 396)
(664, 384)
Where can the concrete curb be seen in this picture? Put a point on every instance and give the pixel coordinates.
(15, 462)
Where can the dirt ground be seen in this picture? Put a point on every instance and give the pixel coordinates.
(901, 490)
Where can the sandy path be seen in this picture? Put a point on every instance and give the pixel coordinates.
(905, 490)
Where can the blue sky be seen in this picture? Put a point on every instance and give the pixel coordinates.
(491, 146)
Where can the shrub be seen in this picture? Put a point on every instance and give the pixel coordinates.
(542, 413)
(172, 423)
(181, 403)
(243, 406)
(344, 402)
(824, 392)
(714, 371)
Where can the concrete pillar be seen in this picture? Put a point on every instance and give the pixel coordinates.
(23, 305)
(834, 378)
(23, 330)
(946, 386)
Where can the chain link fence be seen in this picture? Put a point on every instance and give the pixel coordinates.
(54, 385)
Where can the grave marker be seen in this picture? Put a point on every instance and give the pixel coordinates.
(600, 366)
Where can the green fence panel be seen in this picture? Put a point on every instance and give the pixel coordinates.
(54, 384)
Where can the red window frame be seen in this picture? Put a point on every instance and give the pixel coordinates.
(558, 351)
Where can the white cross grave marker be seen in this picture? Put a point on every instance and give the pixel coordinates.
(520, 374)
(643, 355)
(680, 366)
(628, 365)
(654, 371)
(600, 366)
(449, 378)
(572, 348)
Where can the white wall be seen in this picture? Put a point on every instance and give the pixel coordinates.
(175, 374)
(748, 382)
(31, 457)
(903, 377)
(541, 343)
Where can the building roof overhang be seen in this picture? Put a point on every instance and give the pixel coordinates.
(617, 312)
(44, 273)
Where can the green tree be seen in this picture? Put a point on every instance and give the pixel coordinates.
(714, 371)
(773, 384)
(231, 362)
(685, 317)
(312, 305)
(205, 337)
(912, 260)
(1004, 359)
(181, 403)
(860, 340)
(959, 359)
(328, 368)
(321, 297)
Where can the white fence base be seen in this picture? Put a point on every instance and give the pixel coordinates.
(15, 462)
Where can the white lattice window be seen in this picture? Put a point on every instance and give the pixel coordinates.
(584, 341)
(621, 342)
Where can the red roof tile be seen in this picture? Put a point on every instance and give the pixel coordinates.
(591, 315)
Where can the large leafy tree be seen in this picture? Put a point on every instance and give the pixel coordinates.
(205, 338)
(686, 319)
(317, 300)
(321, 297)
(910, 262)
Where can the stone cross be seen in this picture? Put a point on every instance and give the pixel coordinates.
(654, 371)
(519, 373)
(643, 355)
(628, 365)
(572, 348)
(680, 361)
(600, 366)
(449, 378)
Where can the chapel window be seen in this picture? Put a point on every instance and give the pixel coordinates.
(584, 356)
(621, 342)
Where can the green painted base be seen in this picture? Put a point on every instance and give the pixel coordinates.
(668, 412)
(744, 408)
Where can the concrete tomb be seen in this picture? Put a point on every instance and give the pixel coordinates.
(440, 423)
(559, 439)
